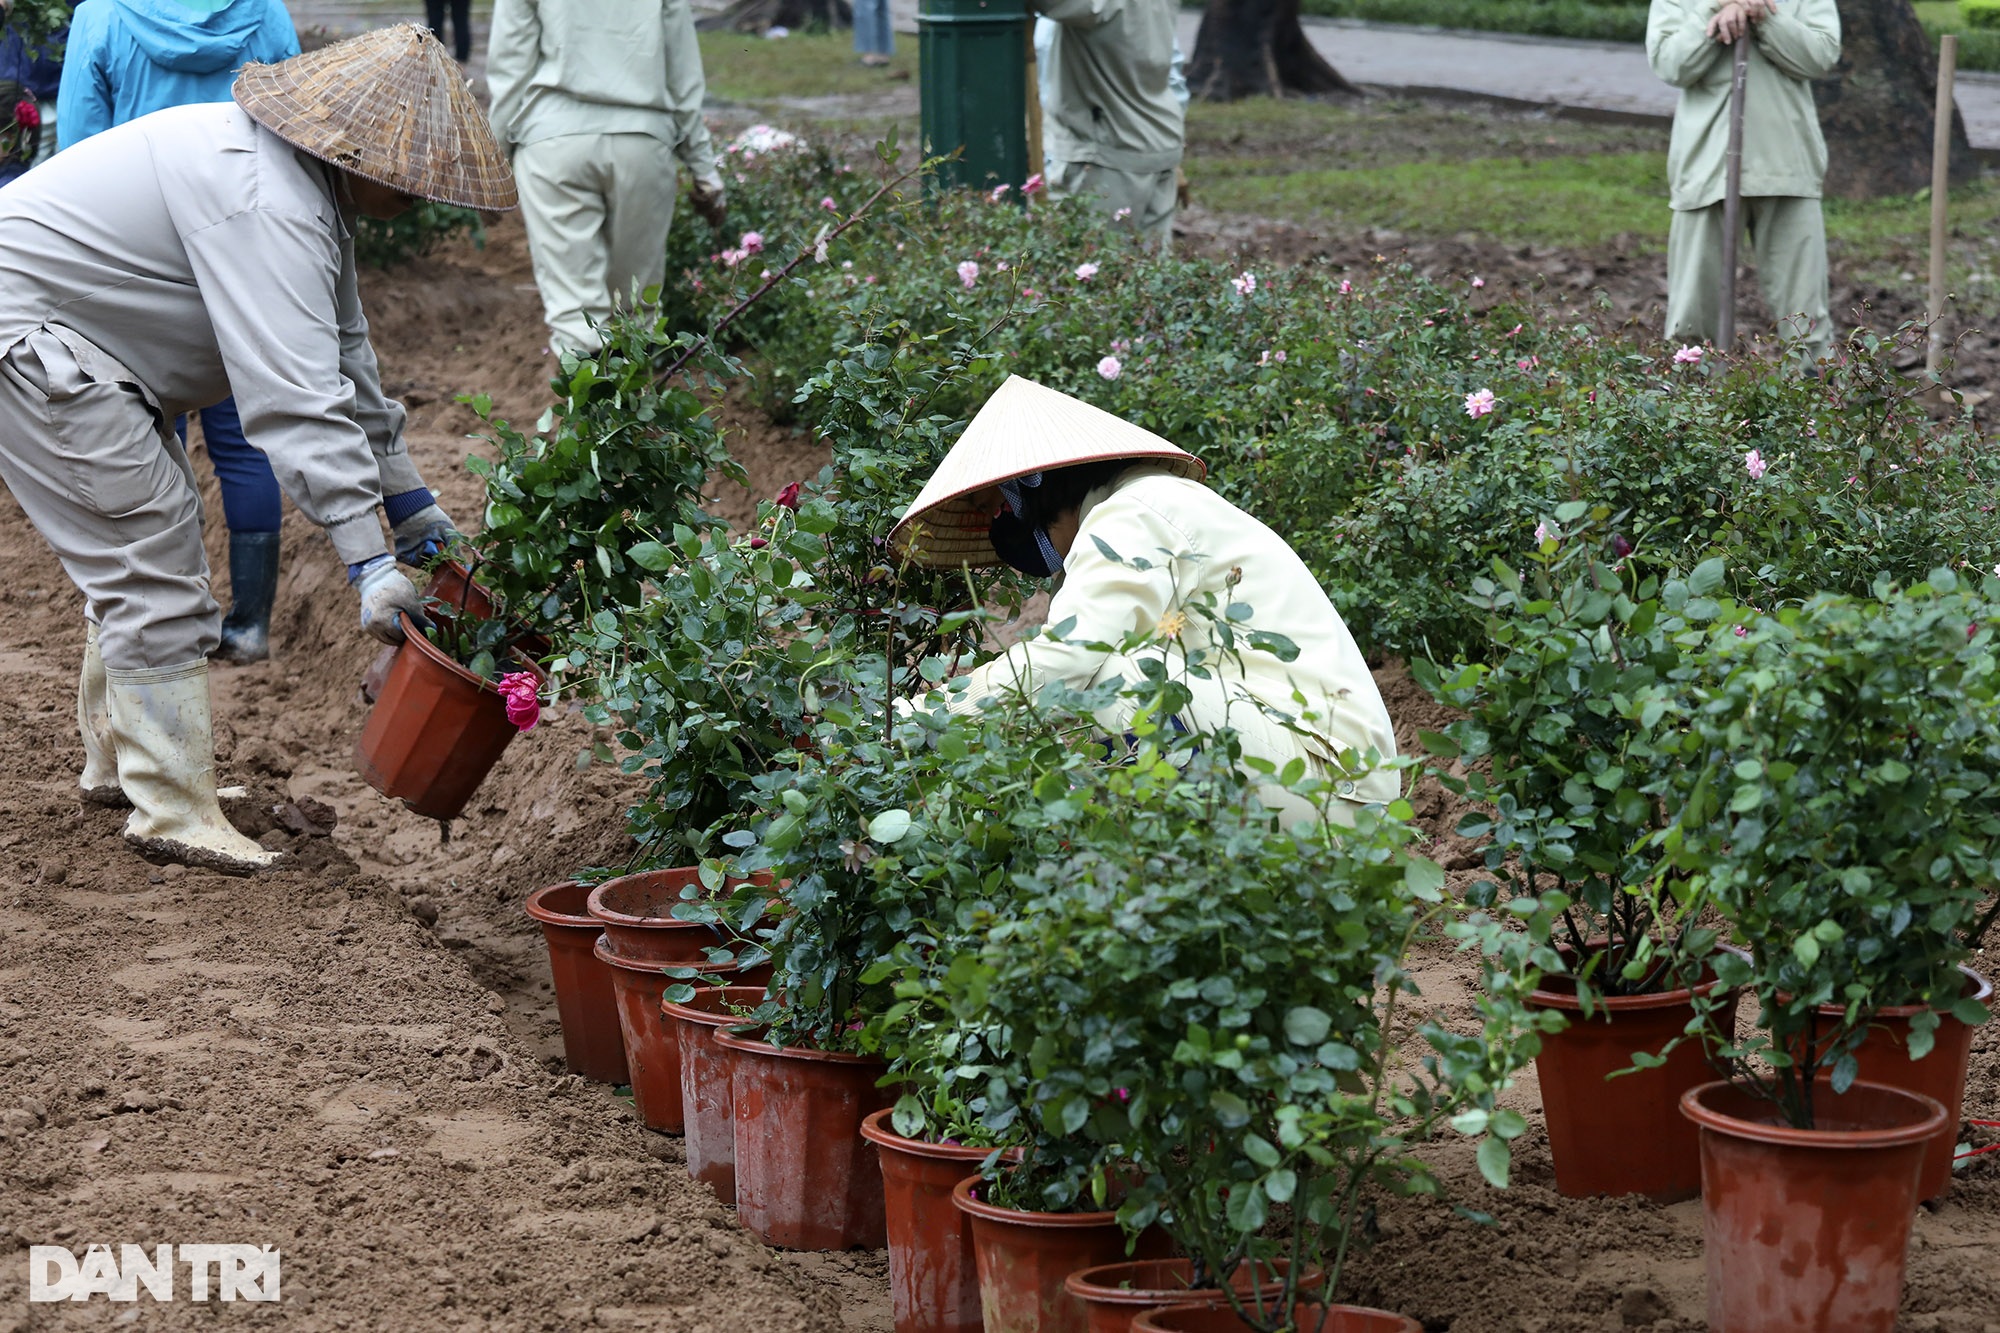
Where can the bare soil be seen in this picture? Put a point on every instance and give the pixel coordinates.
(356, 1059)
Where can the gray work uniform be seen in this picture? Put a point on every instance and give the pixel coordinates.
(1112, 127)
(150, 271)
(593, 101)
(1784, 164)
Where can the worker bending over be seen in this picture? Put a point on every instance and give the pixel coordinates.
(150, 270)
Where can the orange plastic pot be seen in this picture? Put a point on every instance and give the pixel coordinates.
(638, 920)
(1114, 1294)
(586, 1001)
(933, 1277)
(805, 1178)
(451, 584)
(707, 1125)
(1305, 1317)
(1024, 1259)
(1621, 1135)
(1884, 1057)
(652, 1050)
(436, 730)
(1808, 1228)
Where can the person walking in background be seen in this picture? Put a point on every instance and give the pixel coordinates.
(126, 59)
(1792, 43)
(461, 25)
(1113, 128)
(874, 34)
(594, 100)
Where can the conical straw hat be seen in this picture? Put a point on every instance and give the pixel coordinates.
(389, 105)
(1024, 427)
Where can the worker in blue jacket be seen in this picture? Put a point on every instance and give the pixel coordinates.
(126, 59)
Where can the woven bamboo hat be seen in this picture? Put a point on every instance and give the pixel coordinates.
(1024, 428)
(389, 105)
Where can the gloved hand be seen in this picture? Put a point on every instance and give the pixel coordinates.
(422, 534)
(711, 203)
(385, 592)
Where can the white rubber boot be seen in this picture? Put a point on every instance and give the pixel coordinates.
(99, 783)
(166, 763)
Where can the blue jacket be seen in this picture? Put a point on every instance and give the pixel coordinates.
(128, 58)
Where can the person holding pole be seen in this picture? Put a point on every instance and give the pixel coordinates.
(1791, 43)
(1112, 127)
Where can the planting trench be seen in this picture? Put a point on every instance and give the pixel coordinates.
(356, 1059)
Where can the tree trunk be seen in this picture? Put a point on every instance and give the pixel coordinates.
(1256, 48)
(1878, 107)
(757, 15)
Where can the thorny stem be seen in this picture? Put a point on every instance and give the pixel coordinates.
(707, 340)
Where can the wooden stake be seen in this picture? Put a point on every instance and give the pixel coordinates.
(1732, 197)
(1940, 198)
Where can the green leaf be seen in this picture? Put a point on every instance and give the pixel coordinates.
(1707, 577)
(1260, 1151)
(889, 826)
(651, 556)
(1424, 879)
(1307, 1026)
(1282, 1184)
(1806, 949)
(1494, 1161)
(1232, 1111)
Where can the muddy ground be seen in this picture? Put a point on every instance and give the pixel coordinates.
(357, 1059)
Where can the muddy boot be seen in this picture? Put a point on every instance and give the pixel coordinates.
(253, 586)
(99, 783)
(166, 763)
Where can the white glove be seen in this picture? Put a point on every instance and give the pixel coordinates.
(384, 594)
(423, 535)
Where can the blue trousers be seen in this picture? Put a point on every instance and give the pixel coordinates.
(873, 34)
(251, 501)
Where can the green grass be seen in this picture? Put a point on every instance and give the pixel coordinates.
(743, 67)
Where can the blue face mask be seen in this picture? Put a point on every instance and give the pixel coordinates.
(1024, 548)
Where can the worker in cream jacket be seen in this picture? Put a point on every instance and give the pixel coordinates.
(1058, 488)
(595, 101)
(1792, 42)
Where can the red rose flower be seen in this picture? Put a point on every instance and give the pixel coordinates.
(789, 497)
(27, 115)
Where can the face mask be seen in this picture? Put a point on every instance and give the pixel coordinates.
(1022, 547)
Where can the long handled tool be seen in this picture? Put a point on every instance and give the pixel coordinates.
(1732, 197)
(1940, 197)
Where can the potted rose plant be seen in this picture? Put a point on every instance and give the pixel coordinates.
(1839, 811)
(1182, 998)
(1563, 737)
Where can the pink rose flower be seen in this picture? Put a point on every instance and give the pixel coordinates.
(752, 242)
(1754, 464)
(1086, 271)
(1480, 404)
(1034, 184)
(521, 691)
(1111, 367)
(968, 273)
(828, 204)
(1244, 283)
(1688, 356)
(999, 192)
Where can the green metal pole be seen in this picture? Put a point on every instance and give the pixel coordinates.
(975, 83)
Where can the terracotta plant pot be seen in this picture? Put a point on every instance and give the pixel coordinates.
(1621, 1135)
(1884, 1058)
(933, 1277)
(1024, 1258)
(1114, 1294)
(436, 729)
(1808, 1228)
(586, 1001)
(652, 1051)
(1222, 1319)
(452, 584)
(707, 1121)
(805, 1178)
(638, 916)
